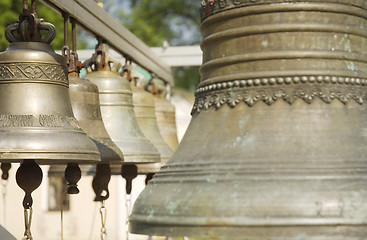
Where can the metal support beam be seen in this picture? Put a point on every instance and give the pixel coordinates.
(97, 21)
(173, 56)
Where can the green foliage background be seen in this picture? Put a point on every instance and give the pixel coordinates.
(153, 21)
(9, 13)
(174, 21)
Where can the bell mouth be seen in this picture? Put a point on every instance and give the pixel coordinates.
(336, 231)
(47, 146)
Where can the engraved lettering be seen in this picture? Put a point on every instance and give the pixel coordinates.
(16, 120)
(51, 121)
(73, 122)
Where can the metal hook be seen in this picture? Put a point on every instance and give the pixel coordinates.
(103, 212)
(65, 49)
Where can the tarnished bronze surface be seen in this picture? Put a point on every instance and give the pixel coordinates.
(166, 120)
(276, 146)
(85, 103)
(36, 119)
(118, 115)
(145, 116)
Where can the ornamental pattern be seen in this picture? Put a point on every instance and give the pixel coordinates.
(306, 91)
(33, 72)
(211, 7)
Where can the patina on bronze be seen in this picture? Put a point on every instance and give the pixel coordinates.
(276, 146)
(145, 115)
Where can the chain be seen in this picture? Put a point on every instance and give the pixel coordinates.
(103, 212)
(65, 49)
(4, 184)
(27, 223)
(128, 210)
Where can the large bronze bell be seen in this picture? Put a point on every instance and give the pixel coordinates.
(276, 146)
(145, 115)
(36, 118)
(118, 114)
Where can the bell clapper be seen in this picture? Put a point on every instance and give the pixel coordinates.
(29, 178)
(5, 167)
(100, 182)
(72, 175)
(100, 187)
(128, 172)
(149, 177)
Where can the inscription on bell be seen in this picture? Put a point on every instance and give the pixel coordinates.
(16, 120)
(51, 121)
(73, 122)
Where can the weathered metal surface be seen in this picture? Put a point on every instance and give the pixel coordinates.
(96, 20)
(36, 118)
(145, 115)
(118, 114)
(276, 145)
(86, 107)
(166, 120)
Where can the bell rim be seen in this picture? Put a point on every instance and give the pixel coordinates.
(51, 158)
(218, 231)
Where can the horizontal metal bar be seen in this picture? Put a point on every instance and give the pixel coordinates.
(97, 21)
(173, 56)
(180, 56)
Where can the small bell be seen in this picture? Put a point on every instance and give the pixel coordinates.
(118, 113)
(85, 103)
(165, 114)
(145, 116)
